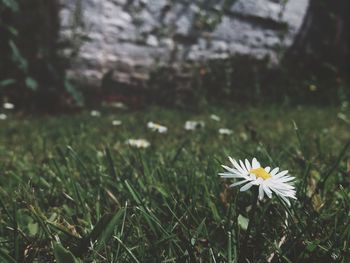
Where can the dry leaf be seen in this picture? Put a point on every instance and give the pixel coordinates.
(317, 202)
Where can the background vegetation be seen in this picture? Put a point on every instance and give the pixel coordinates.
(32, 70)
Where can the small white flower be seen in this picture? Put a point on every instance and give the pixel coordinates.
(8, 106)
(268, 180)
(215, 117)
(193, 125)
(157, 127)
(95, 113)
(3, 116)
(225, 131)
(99, 154)
(116, 122)
(138, 143)
(243, 136)
(118, 105)
(342, 116)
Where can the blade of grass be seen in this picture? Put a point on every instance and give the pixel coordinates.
(62, 255)
(334, 166)
(5, 257)
(127, 249)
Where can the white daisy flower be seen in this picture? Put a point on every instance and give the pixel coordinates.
(116, 122)
(268, 180)
(215, 117)
(157, 127)
(3, 116)
(138, 143)
(193, 125)
(225, 131)
(8, 106)
(95, 113)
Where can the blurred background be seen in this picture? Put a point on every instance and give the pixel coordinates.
(64, 55)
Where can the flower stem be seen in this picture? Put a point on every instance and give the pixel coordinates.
(250, 224)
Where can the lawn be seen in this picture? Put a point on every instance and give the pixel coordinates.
(71, 189)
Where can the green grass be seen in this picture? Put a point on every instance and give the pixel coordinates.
(71, 190)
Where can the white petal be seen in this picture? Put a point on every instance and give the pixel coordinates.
(267, 169)
(259, 181)
(282, 189)
(229, 175)
(246, 187)
(247, 165)
(282, 186)
(274, 171)
(267, 190)
(243, 166)
(286, 190)
(286, 179)
(238, 183)
(236, 165)
(281, 192)
(261, 192)
(285, 200)
(232, 170)
(280, 180)
(284, 193)
(255, 163)
(252, 176)
(282, 173)
(293, 196)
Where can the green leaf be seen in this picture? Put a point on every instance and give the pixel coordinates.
(62, 255)
(127, 249)
(74, 92)
(162, 190)
(31, 83)
(243, 222)
(12, 30)
(33, 228)
(110, 163)
(108, 229)
(4, 257)
(213, 209)
(311, 246)
(198, 232)
(7, 82)
(102, 232)
(17, 57)
(12, 4)
(133, 193)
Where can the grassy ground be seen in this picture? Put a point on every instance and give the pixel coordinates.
(72, 190)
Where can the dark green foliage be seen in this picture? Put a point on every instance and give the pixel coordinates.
(31, 70)
(63, 256)
(70, 189)
(314, 71)
(245, 80)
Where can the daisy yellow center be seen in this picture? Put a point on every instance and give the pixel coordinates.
(260, 172)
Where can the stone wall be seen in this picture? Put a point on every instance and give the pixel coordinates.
(129, 38)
